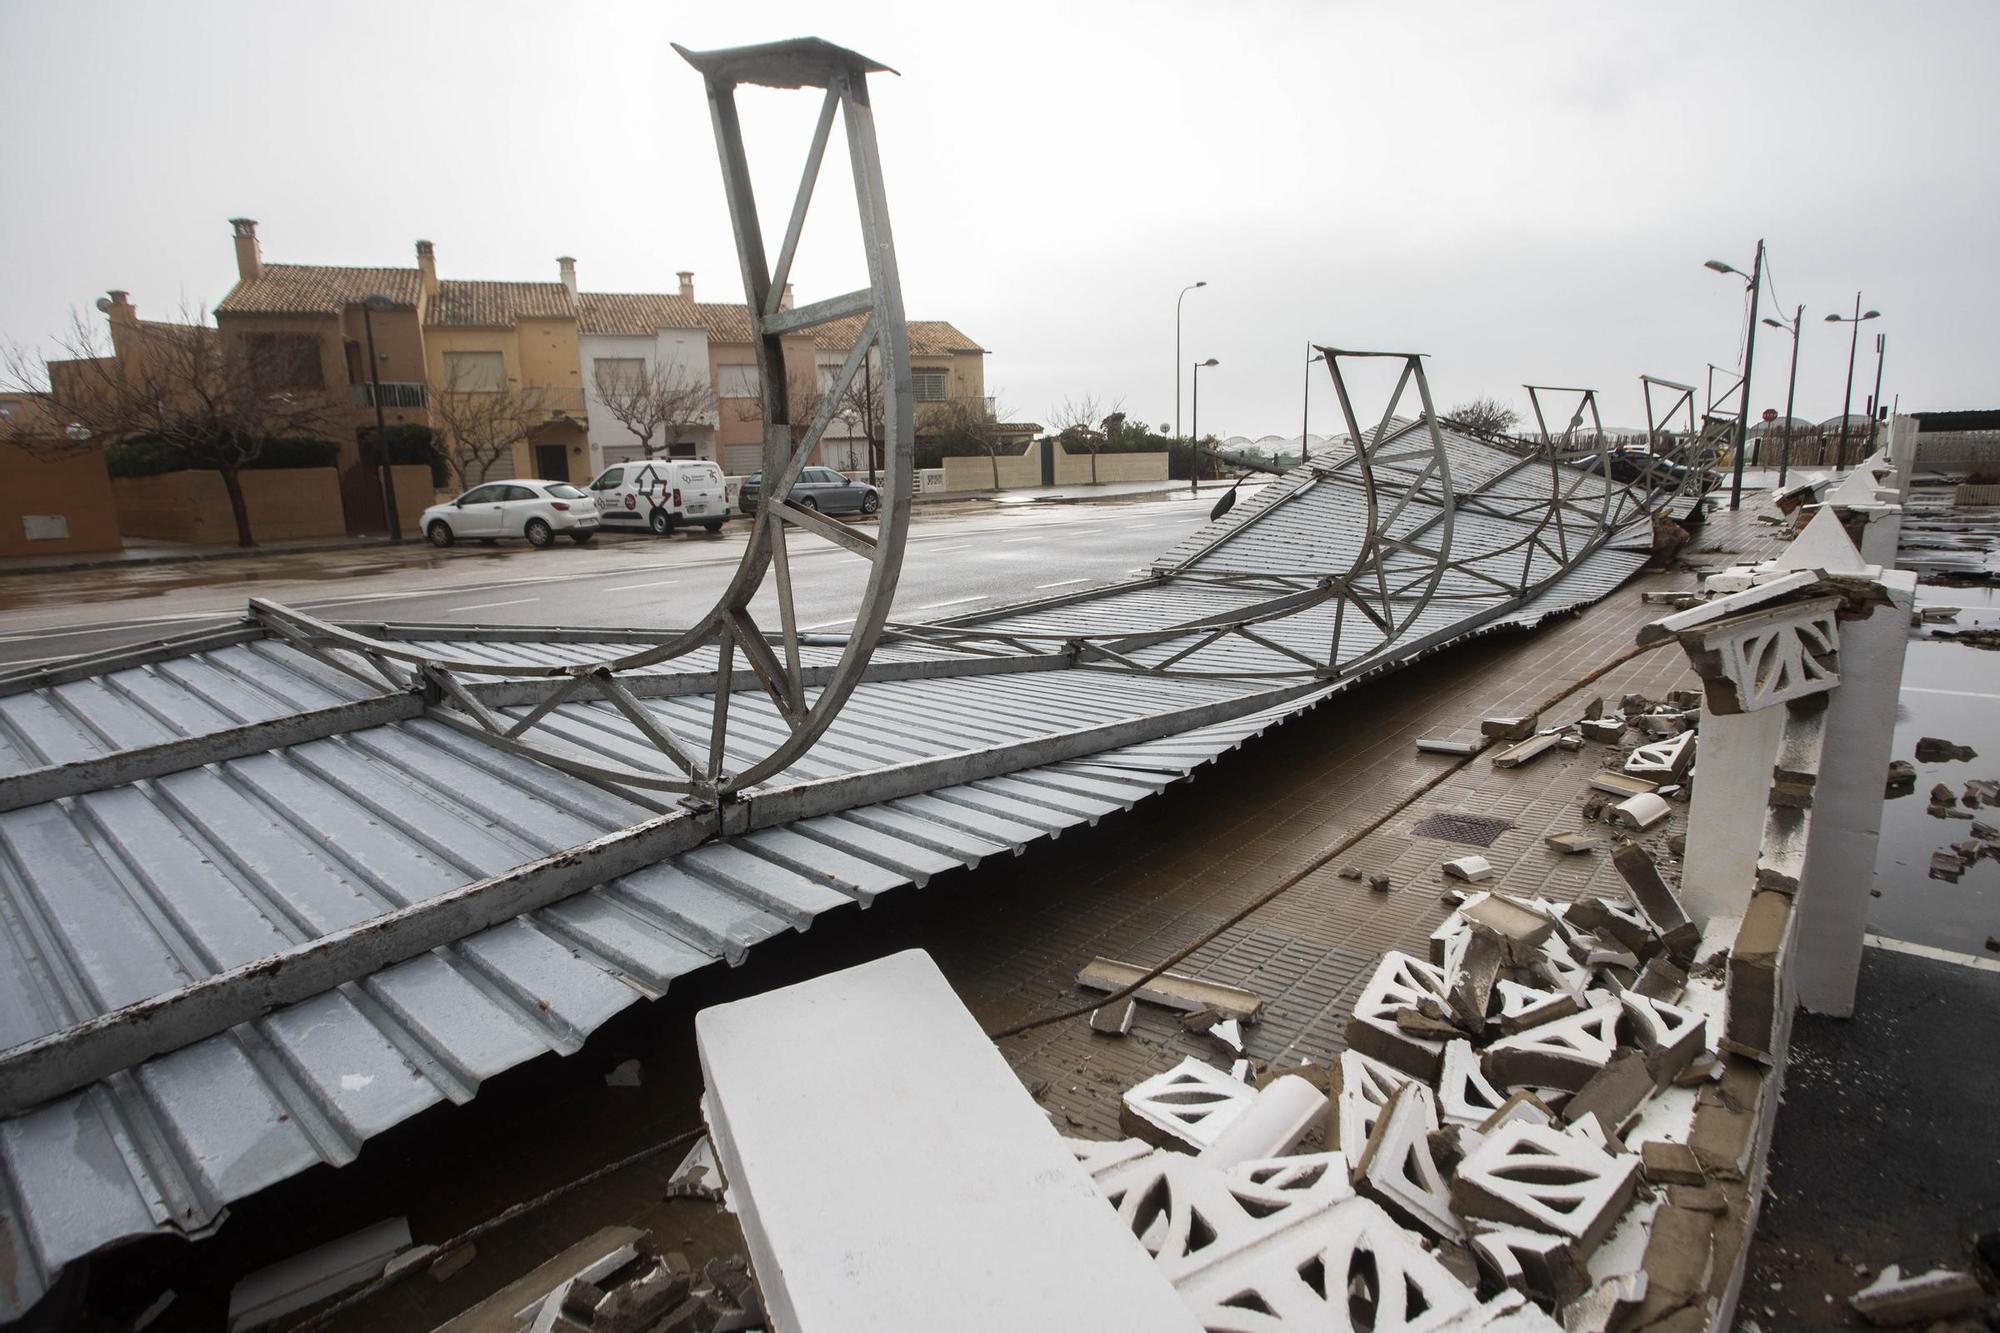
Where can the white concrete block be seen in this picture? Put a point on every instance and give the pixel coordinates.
(1536, 1176)
(1193, 1101)
(1365, 1088)
(1642, 811)
(1398, 1171)
(892, 1174)
(1271, 1126)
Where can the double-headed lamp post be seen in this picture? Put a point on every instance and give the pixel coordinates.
(369, 306)
(1177, 351)
(1194, 443)
(1857, 319)
(1791, 326)
(1755, 279)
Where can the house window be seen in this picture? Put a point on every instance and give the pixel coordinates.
(619, 374)
(928, 386)
(286, 360)
(474, 372)
(738, 382)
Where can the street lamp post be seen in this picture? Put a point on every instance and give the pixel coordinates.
(1875, 399)
(1791, 391)
(1847, 398)
(1756, 281)
(369, 306)
(1194, 443)
(1177, 350)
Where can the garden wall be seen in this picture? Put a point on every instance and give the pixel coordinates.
(51, 508)
(286, 504)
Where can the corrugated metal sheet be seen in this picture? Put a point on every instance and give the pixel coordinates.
(140, 889)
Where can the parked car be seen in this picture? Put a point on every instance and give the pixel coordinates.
(537, 510)
(818, 488)
(661, 494)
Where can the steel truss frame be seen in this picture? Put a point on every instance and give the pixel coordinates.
(806, 701)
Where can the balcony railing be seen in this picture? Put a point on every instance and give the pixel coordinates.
(395, 393)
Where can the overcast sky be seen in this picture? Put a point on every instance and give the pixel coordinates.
(1525, 192)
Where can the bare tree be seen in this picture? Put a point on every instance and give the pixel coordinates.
(482, 424)
(662, 402)
(966, 423)
(804, 396)
(1080, 423)
(213, 400)
(861, 409)
(1485, 416)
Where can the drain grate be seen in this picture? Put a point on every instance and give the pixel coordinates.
(1472, 830)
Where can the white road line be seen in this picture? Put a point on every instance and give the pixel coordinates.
(943, 550)
(1064, 583)
(488, 606)
(1013, 541)
(1927, 951)
(1957, 694)
(956, 601)
(631, 587)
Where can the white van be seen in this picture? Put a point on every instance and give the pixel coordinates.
(661, 494)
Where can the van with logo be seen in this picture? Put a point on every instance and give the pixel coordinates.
(660, 494)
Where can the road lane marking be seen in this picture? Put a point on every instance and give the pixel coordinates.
(632, 587)
(1960, 694)
(956, 601)
(946, 550)
(1063, 583)
(488, 606)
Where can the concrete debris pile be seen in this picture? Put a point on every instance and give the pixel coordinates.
(619, 1281)
(1499, 1110)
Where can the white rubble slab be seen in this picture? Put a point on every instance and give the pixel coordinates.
(1281, 1114)
(325, 1270)
(1193, 1101)
(892, 1174)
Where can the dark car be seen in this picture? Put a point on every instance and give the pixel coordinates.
(818, 488)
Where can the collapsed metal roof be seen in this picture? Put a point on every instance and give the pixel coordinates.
(268, 891)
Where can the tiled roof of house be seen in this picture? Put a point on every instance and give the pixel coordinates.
(928, 337)
(498, 304)
(729, 322)
(316, 289)
(634, 312)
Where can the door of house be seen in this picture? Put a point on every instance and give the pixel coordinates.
(1048, 448)
(361, 488)
(551, 462)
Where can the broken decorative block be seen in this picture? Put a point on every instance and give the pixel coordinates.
(1519, 928)
(1399, 982)
(698, 1176)
(1561, 971)
(1667, 1163)
(1464, 1096)
(1562, 1054)
(1613, 1094)
(1471, 869)
(1508, 728)
(1097, 1157)
(1661, 980)
(1617, 922)
(1184, 1210)
(1523, 1007)
(1602, 729)
(1398, 1171)
(1892, 1299)
(1670, 1037)
(1661, 906)
(1114, 1020)
(1524, 1107)
(1753, 974)
(1640, 812)
(1613, 783)
(1572, 844)
(1534, 1176)
(1191, 1102)
(1663, 761)
(1349, 1266)
(1281, 1114)
(1533, 1263)
(1365, 1088)
(1475, 968)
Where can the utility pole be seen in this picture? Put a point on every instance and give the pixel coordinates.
(1791, 392)
(1743, 403)
(395, 520)
(1305, 409)
(1875, 399)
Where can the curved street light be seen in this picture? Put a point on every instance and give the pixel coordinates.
(1194, 444)
(1791, 326)
(1857, 319)
(1177, 350)
(1754, 280)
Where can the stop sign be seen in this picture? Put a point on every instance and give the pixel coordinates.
(1770, 414)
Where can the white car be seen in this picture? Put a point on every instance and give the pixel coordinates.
(661, 494)
(537, 510)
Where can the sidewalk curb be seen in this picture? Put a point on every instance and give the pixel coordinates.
(234, 553)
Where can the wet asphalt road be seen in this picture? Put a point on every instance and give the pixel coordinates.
(953, 564)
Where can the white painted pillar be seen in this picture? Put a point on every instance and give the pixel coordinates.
(1734, 755)
(1846, 827)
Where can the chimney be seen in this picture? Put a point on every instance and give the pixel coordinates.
(567, 267)
(119, 308)
(687, 284)
(785, 298)
(427, 269)
(249, 254)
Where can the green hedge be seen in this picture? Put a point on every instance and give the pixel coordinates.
(152, 458)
